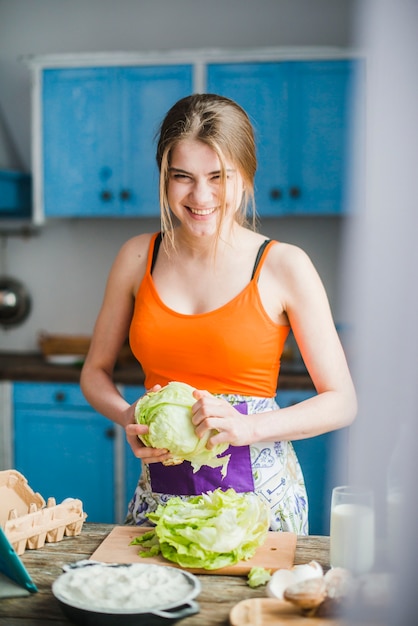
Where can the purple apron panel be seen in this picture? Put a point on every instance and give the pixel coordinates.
(179, 480)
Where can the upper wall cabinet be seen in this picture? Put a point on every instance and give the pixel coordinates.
(95, 120)
(97, 142)
(302, 114)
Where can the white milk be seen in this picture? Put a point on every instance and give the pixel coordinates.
(352, 537)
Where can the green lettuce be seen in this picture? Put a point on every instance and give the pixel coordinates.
(168, 415)
(258, 576)
(210, 531)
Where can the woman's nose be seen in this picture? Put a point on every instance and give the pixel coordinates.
(202, 192)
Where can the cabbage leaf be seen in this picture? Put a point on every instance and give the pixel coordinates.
(258, 576)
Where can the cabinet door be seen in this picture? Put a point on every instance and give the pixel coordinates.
(148, 93)
(98, 137)
(262, 90)
(300, 111)
(324, 464)
(64, 448)
(80, 141)
(320, 98)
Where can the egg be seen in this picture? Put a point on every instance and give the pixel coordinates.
(283, 578)
(308, 570)
(279, 581)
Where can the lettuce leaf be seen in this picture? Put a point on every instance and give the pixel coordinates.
(168, 415)
(258, 576)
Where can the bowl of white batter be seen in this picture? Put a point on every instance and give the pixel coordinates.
(105, 594)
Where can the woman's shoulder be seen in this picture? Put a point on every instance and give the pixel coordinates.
(289, 261)
(138, 244)
(129, 266)
(131, 260)
(281, 255)
(288, 254)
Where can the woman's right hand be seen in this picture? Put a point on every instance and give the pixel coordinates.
(140, 450)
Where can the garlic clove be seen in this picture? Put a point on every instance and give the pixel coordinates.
(307, 594)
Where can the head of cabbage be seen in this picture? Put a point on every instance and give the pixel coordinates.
(168, 415)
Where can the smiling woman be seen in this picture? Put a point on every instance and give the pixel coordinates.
(209, 302)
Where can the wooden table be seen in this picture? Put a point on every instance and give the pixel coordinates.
(219, 593)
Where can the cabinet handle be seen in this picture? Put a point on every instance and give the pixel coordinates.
(294, 192)
(125, 194)
(106, 195)
(59, 396)
(276, 193)
(110, 433)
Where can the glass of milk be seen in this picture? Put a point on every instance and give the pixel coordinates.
(352, 532)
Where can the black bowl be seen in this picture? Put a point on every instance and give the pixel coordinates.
(86, 617)
(80, 613)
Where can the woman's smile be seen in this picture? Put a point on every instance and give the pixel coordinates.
(201, 212)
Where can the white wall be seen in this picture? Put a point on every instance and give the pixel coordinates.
(66, 264)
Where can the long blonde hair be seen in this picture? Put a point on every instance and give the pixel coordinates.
(225, 127)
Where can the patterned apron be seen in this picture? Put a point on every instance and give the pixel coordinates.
(271, 469)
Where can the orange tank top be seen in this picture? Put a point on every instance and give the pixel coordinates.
(233, 349)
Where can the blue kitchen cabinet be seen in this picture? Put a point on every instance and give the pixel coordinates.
(302, 114)
(98, 128)
(323, 461)
(15, 194)
(63, 447)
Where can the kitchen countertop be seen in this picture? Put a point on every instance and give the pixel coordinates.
(219, 592)
(33, 367)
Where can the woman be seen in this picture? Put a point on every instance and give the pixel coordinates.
(210, 303)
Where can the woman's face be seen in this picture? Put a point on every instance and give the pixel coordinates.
(194, 187)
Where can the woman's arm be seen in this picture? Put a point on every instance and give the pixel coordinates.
(110, 332)
(307, 307)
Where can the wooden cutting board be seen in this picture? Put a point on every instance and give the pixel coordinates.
(277, 552)
(270, 612)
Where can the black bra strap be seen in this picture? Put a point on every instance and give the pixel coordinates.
(158, 240)
(157, 243)
(259, 255)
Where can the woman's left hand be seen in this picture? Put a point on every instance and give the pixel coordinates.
(218, 415)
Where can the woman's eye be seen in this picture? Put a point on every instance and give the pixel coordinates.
(181, 177)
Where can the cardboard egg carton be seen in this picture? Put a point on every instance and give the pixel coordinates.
(28, 521)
